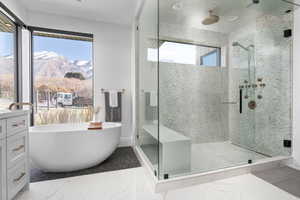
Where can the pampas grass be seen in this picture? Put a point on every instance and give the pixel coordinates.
(64, 115)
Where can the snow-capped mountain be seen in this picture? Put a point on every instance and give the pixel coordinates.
(50, 64)
(6, 65)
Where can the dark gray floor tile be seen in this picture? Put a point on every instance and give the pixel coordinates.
(122, 158)
(285, 178)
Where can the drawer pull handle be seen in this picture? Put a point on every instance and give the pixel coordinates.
(20, 177)
(19, 148)
(19, 124)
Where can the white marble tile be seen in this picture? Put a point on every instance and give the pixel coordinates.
(132, 184)
(219, 155)
(117, 185)
(246, 187)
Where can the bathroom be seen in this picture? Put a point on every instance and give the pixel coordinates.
(147, 99)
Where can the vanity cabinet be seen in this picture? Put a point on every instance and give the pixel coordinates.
(14, 153)
(3, 169)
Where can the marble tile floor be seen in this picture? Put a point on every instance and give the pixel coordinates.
(133, 184)
(218, 155)
(211, 156)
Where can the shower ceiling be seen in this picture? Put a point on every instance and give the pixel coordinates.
(192, 12)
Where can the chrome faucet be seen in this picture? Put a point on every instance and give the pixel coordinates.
(14, 105)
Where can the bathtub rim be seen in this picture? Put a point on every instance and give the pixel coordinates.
(42, 128)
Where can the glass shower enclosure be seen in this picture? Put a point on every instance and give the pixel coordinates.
(213, 83)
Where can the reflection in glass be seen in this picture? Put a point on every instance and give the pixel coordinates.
(7, 61)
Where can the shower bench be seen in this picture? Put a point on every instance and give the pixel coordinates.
(171, 145)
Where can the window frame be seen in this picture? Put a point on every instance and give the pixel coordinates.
(33, 29)
(218, 49)
(19, 25)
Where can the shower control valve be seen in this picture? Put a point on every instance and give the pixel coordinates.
(262, 85)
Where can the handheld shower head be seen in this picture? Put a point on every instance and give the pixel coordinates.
(234, 44)
(237, 44)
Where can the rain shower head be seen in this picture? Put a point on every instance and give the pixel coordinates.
(211, 19)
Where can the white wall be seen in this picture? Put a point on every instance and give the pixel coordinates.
(112, 59)
(25, 65)
(16, 7)
(296, 90)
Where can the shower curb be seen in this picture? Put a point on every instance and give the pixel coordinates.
(160, 186)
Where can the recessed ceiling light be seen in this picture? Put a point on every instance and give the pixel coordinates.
(233, 18)
(177, 6)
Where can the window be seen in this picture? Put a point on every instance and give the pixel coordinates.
(62, 78)
(183, 53)
(211, 59)
(8, 60)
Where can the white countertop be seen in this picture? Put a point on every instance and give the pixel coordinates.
(5, 113)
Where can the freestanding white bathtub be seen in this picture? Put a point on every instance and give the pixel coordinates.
(71, 147)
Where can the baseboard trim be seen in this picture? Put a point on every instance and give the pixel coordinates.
(126, 142)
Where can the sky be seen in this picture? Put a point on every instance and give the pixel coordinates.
(6, 44)
(173, 52)
(71, 49)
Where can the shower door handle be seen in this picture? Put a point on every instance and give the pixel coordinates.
(241, 101)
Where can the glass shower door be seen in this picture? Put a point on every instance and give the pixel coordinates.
(217, 95)
(243, 135)
(147, 70)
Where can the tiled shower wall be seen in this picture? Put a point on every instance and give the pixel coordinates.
(191, 101)
(192, 97)
(265, 128)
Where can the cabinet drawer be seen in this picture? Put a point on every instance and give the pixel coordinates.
(2, 129)
(16, 149)
(2, 169)
(16, 179)
(17, 124)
